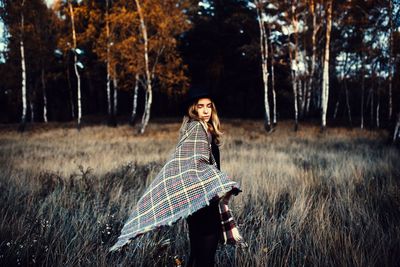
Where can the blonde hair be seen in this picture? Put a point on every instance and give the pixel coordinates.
(213, 125)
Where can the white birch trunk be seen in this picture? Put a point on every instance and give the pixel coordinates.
(23, 70)
(325, 81)
(293, 61)
(145, 105)
(313, 86)
(362, 91)
(115, 97)
(108, 62)
(135, 96)
(264, 62)
(274, 120)
(391, 61)
(108, 86)
(78, 78)
(296, 110)
(146, 115)
(396, 134)
(149, 91)
(44, 97)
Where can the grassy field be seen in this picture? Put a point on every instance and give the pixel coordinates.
(309, 199)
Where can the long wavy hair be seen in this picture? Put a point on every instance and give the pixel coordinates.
(213, 125)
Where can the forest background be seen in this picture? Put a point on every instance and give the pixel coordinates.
(310, 197)
(318, 60)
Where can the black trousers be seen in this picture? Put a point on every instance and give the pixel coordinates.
(204, 233)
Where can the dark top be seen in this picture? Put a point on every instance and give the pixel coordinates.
(207, 220)
(215, 152)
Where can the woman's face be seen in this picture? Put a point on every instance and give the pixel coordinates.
(204, 109)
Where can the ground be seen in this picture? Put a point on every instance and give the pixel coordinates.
(309, 198)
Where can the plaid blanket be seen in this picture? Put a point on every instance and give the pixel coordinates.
(186, 183)
(230, 232)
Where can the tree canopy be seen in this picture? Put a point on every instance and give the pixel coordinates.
(215, 43)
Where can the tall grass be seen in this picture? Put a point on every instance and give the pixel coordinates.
(309, 199)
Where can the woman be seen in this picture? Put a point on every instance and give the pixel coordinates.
(190, 185)
(205, 228)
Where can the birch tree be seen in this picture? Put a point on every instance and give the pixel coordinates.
(325, 80)
(45, 39)
(396, 133)
(293, 55)
(23, 69)
(142, 50)
(264, 60)
(274, 111)
(75, 52)
(313, 88)
(391, 61)
(108, 61)
(148, 78)
(115, 97)
(362, 89)
(134, 100)
(158, 57)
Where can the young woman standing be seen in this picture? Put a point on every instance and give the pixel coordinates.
(190, 185)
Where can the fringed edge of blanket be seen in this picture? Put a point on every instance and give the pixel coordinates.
(219, 195)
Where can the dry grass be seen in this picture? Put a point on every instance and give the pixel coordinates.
(308, 198)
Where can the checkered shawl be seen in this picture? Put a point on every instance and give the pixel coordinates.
(186, 183)
(230, 232)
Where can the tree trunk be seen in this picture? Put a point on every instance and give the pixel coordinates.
(134, 102)
(378, 106)
(372, 106)
(303, 97)
(145, 105)
(312, 84)
(396, 134)
(44, 97)
(115, 97)
(391, 61)
(78, 78)
(108, 63)
(362, 90)
(325, 81)
(348, 102)
(336, 107)
(23, 71)
(308, 96)
(294, 66)
(274, 120)
(264, 62)
(146, 114)
(296, 111)
(300, 98)
(148, 82)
